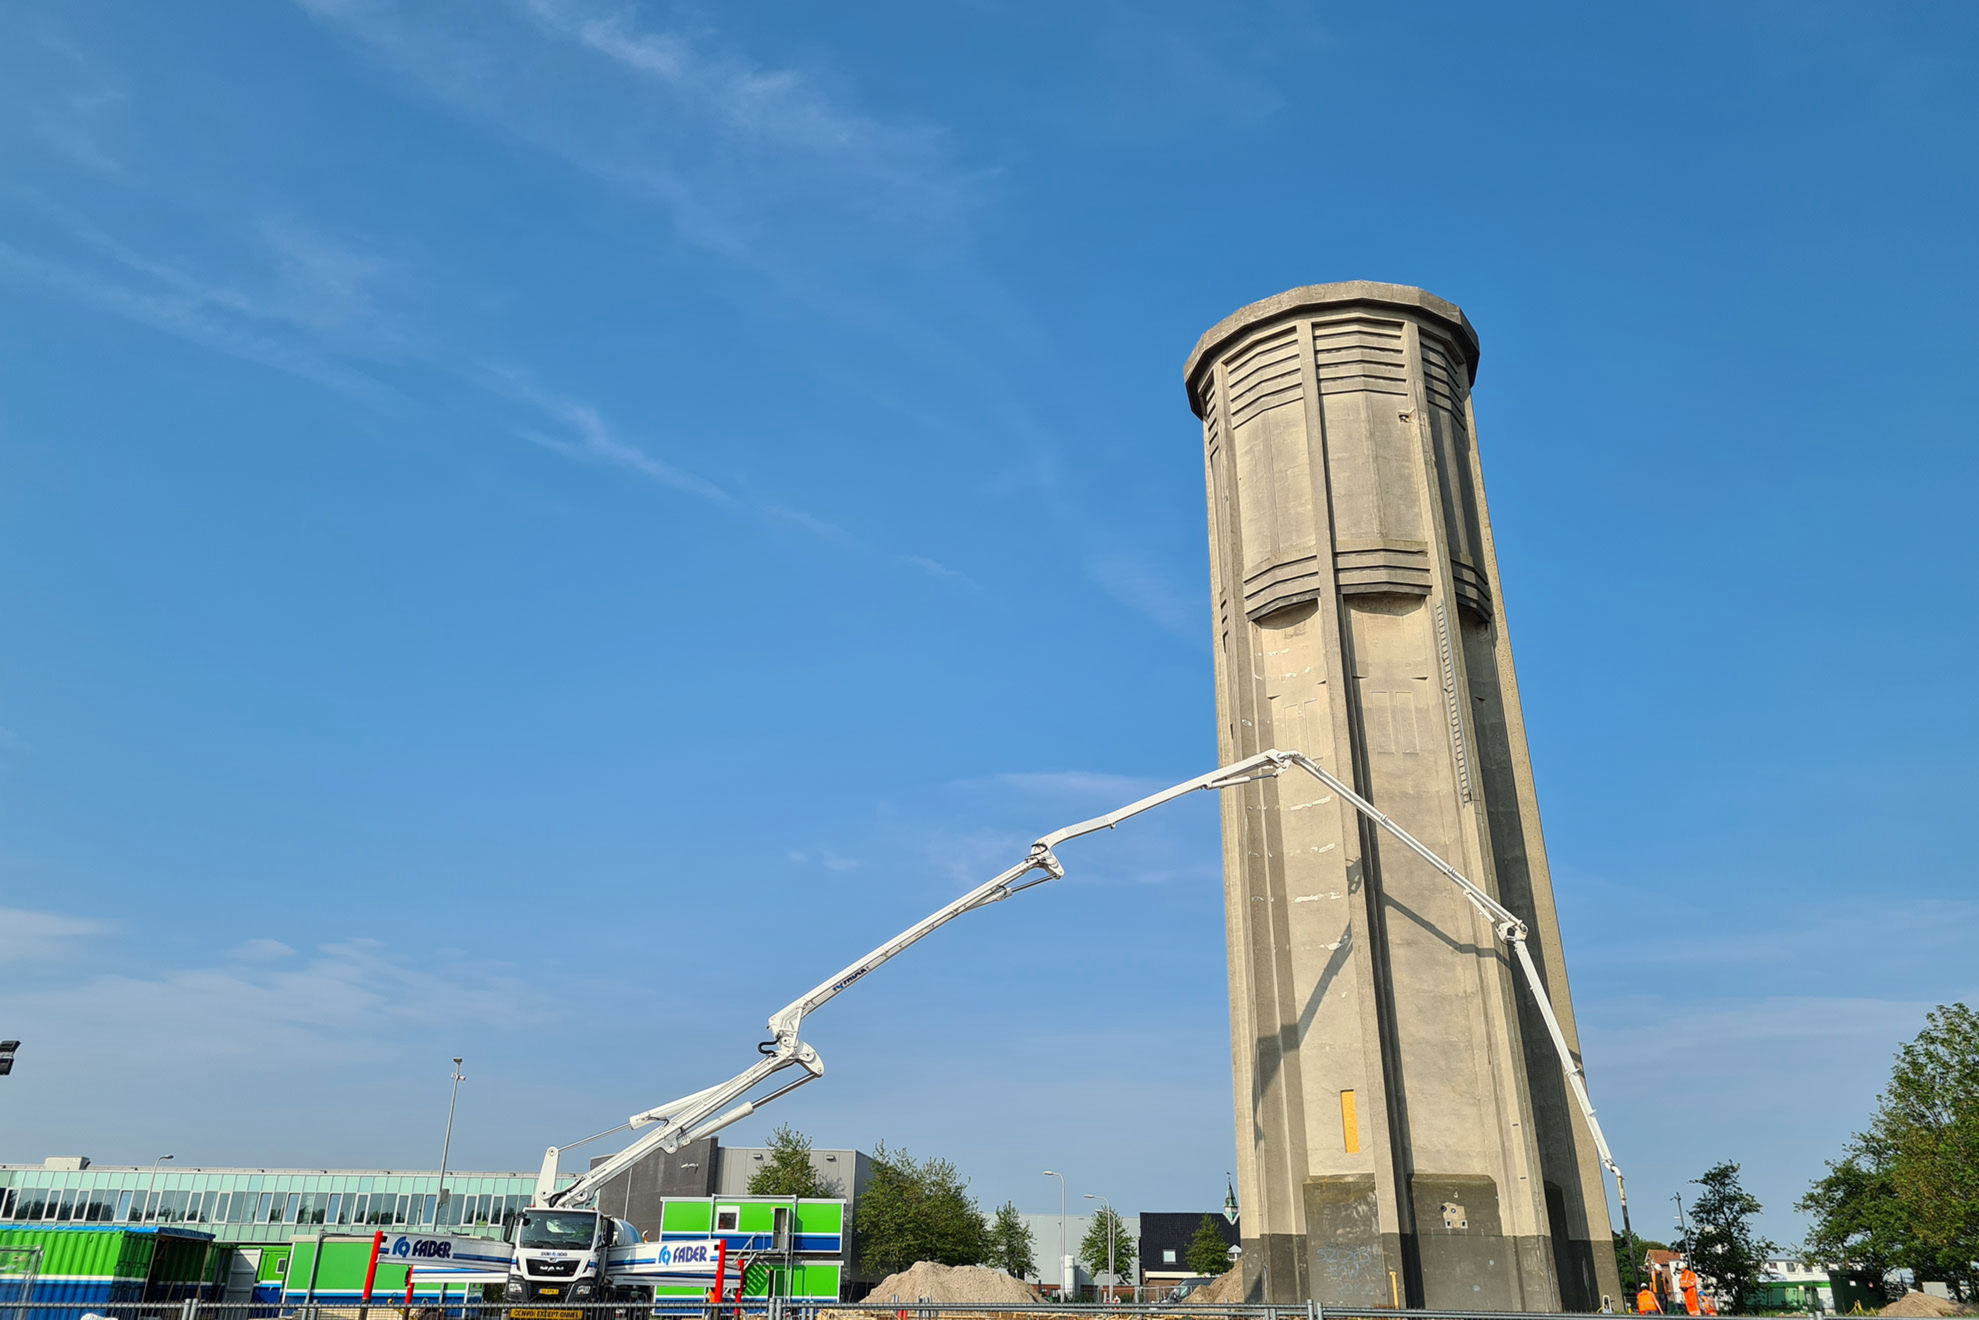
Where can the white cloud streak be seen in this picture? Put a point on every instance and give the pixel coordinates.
(1146, 591)
(732, 149)
(28, 935)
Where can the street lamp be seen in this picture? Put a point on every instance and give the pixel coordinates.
(1112, 1279)
(1063, 1282)
(1683, 1223)
(446, 1146)
(151, 1189)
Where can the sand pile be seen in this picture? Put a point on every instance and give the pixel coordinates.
(1922, 1303)
(951, 1283)
(1228, 1290)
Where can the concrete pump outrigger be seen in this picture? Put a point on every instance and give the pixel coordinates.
(691, 1117)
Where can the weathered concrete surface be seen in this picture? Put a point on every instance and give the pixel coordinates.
(1403, 1128)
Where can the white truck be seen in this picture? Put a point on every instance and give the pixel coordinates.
(596, 1253)
(569, 1258)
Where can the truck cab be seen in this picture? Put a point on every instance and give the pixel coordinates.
(561, 1257)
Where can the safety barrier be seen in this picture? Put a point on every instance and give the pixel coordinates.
(772, 1308)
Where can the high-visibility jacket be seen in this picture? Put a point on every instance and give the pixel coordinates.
(1645, 1303)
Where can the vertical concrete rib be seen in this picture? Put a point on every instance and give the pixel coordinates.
(1357, 616)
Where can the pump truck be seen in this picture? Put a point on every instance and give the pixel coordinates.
(593, 1252)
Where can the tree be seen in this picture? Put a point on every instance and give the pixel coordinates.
(1905, 1194)
(1724, 1247)
(1208, 1252)
(1858, 1218)
(1092, 1250)
(788, 1171)
(1929, 1119)
(1635, 1271)
(1010, 1243)
(914, 1210)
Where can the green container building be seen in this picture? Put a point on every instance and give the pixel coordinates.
(94, 1266)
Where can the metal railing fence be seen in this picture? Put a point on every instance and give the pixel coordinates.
(687, 1308)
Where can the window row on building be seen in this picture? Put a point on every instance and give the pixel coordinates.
(113, 1205)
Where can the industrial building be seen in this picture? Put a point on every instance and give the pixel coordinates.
(245, 1224)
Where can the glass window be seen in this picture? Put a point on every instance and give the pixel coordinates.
(222, 1203)
(171, 1207)
(359, 1209)
(335, 1214)
(28, 1202)
(293, 1207)
(265, 1212)
(66, 1208)
(430, 1203)
(102, 1204)
(314, 1206)
(399, 1209)
(123, 1206)
(196, 1208)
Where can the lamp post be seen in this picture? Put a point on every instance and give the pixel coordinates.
(1683, 1223)
(1112, 1279)
(447, 1145)
(1063, 1282)
(151, 1188)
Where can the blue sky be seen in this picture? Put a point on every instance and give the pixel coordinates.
(539, 529)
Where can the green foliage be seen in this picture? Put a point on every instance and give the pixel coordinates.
(914, 1210)
(1010, 1243)
(1858, 1218)
(1905, 1193)
(1929, 1118)
(1092, 1250)
(788, 1171)
(1634, 1273)
(1724, 1247)
(1208, 1252)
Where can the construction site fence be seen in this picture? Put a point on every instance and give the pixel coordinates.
(772, 1308)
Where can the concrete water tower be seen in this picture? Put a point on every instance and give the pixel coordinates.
(1404, 1132)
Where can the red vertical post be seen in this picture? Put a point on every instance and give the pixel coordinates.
(371, 1271)
(408, 1287)
(721, 1272)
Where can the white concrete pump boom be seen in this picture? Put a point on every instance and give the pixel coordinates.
(692, 1117)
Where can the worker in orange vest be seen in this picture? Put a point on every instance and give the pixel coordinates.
(1645, 1301)
(1687, 1282)
(1706, 1305)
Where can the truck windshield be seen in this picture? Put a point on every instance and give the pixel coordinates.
(571, 1230)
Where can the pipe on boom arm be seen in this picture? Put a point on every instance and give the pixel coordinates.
(704, 1112)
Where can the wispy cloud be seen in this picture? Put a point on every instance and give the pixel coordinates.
(26, 934)
(825, 857)
(588, 438)
(1081, 784)
(261, 950)
(211, 315)
(1147, 591)
(935, 568)
(732, 148)
(337, 1001)
(639, 104)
